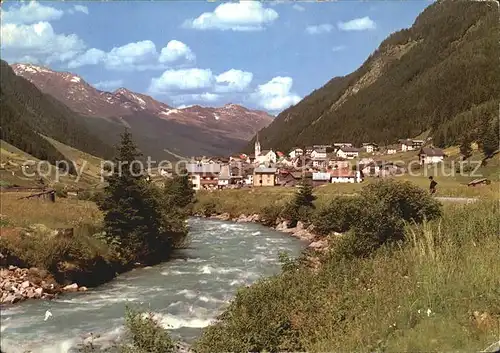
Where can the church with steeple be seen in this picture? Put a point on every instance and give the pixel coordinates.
(263, 157)
(257, 146)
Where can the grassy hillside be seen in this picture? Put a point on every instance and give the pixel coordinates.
(26, 112)
(434, 289)
(440, 75)
(11, 173)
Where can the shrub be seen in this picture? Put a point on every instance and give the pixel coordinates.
(85, 195)
(378, 217)
(70, 259)
(404, 199)
(61, 191)
(374, 227)
(259, 319)
(269, 214)
(301, 207)
(97, 196)
(337, 216)
(145, 334)
(207, 207)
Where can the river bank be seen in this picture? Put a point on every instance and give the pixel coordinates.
(418, 293)
(185, 294)
(305, 233)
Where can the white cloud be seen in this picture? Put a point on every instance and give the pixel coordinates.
(318, 29)
(108, 85)
(230, 81)
(38, 41)
(138, 56)
(338, 48)
(80, 8)
(298, 7)
(90, 57)
(242, 16)
(276, 94)
(175, 50)
(197, 97)
(357, 24)
(131, 55)
(183, 79)
(32, 12)
(233, 81)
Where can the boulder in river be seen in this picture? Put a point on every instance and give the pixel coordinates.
(71, 288)
(223, 217)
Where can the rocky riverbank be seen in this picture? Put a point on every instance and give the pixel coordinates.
(19, 284)
(316, 242)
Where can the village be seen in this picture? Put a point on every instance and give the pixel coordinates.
(317, 165)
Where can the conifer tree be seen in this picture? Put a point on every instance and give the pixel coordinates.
(132, 212)
(304, 196)
(465, 147)
(300, 207)
(179, 191)
(490, 138)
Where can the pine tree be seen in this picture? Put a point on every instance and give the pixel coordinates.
(304, 196)
(490, 138)
(300, 208)
(465, 147)
(132, 212)
(179, 191)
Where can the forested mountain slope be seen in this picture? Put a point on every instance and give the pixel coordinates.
(26, 113)
(430, 76)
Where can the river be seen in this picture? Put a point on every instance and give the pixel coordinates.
(186, 293)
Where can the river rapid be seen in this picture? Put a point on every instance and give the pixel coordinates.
(186, 293)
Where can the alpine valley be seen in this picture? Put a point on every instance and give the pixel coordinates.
(161, 131)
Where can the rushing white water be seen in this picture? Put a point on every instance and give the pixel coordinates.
(186, 293)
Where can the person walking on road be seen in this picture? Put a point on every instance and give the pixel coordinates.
(432, 187)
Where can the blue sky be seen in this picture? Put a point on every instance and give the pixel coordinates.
(265, 55)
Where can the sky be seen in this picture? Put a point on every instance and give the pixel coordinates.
(264, 55)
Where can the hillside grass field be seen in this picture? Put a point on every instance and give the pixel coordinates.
(64, 213)
(11, 172)
(437, 291)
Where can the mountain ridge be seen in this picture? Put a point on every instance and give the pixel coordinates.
(418, 79)
(27, 113)
(238, 122)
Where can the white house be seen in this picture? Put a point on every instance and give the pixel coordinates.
(392, 150)
(347, 152)
(406, 145)
(430, 155)
(224, 177)
(203, 176)
(321, 178)
(266, 157)
(296, 152)
(416, 144)
(319, 162)
(342, 144)
(248, 179)
(345, 176)
(370, 147)
(318, 153)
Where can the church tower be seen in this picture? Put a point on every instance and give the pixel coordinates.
(257, 146)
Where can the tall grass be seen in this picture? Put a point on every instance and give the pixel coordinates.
(437, 291)
(62, 213)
